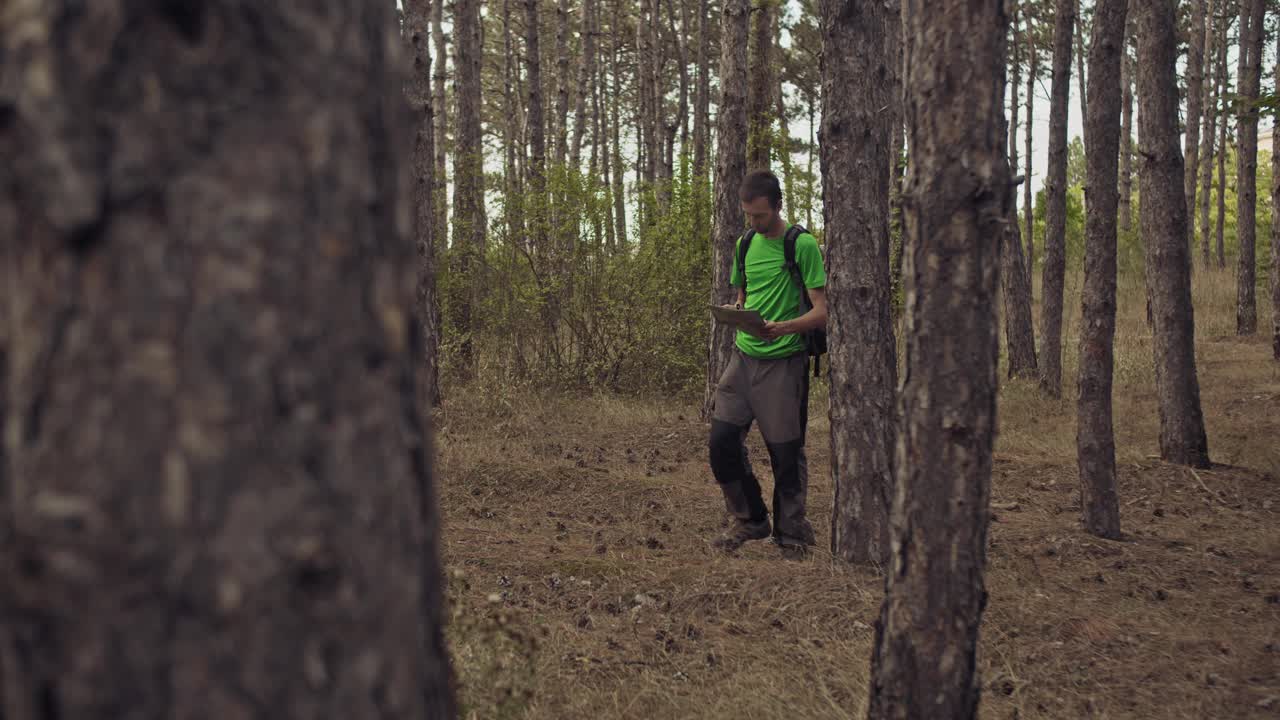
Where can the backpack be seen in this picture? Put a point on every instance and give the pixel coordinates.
(815, 341)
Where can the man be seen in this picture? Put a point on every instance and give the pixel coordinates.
(767, 379)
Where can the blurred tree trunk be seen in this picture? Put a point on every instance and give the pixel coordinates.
(561, 120)
(513, 137)
(1095, 438)
(619, 188)
(537, 127)
(1080, 31)
(469, 224)
(1247, 166)
(586, 71)
(760, 93)
(1195, 104)
(731, 143)
(924, 661)
(1163, 217)
(217, 494)
(1019, 329)
(1210, 125)
(418, 90)
(1055, 243)
(702, 109)
(1275, 237)
(682, 60)
(1225, 93)
(854, 142)
(1028, 204)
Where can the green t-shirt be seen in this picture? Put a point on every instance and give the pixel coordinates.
(772, 291)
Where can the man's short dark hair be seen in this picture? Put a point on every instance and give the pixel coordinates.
(761, 183)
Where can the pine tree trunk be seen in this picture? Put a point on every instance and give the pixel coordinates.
(760, 97)
(438, 102)
(586, 72)
(217, 491)
(469, 223)
(1247, 172)
(562, 83)
(1222, 151)
(1095, 438)
(731, 161)
(854, 142)
(682, 59)
(1019, 329)
(1195, 104)
(418, 91)
(619, 190)
(1275, 237)
(1028, 207)
(702, 110)
(1163, 220)
(1126, 130)
(924, 662)
(1209, 117)
(1055, 245)
(1081, 78)
(536, 200)
(512, 135)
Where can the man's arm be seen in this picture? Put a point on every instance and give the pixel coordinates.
(815, 318)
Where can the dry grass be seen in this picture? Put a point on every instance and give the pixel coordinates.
(582, 586)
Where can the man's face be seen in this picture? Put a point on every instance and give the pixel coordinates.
(759, 213)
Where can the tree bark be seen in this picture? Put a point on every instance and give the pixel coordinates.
(537, 128)
(1275, 237)
(586, 72)
(1195, 104)
(218, 499)
(441, 108)
(1163, 214)
(731, 162)
(1095, 438)
(958, 198)
(469, 224)
(1028, 208)
(854, 146)
(1019, 329)
(1126, 131)
(1055, 245)
(760, 93)
(1247, 172)
(418, 90)
(702, 108)
(1081, 78)
(619, 190)
(1222, 151)
(1209, 117)
(682, 60)
(562, 83)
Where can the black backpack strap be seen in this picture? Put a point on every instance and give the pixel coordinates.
(789, 258)
(742, 256)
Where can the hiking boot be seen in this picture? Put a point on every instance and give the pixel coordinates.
(740, 532)
(800, 534)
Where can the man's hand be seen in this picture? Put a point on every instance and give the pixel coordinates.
(775, 330)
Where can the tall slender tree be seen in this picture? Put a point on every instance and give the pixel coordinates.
(731, 167)
(619, 194)
(1019, 329)
(924, 660)
(1247, 165)
(1081, 31)
(1095, 439)
(1195, 103)
(702, 103)
(1163, 218)
(586, 71)
(1027, 204)
(561, 116)
(438, 103)
(1224, 93)
(1055, 243)
(760, 90)
(1126, 128)
(469, 222)
(1275, 235)
(854, 142)
(536, 201)
(222, 502)
(1209, 122)
(418, 90)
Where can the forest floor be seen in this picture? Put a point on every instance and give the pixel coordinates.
(582, 586)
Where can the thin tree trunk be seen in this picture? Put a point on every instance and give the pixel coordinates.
(438, 102)
(1028, 208)
(924, 661)
(619, 189)
(1126, 131)
(1275, 236)
(1164, 218)
(1095, 438)
(1195, 103)
(854, 141)
(759, 97)
(586, 72)
(217, 490)
(513, 138)
(731, 161)
(682, 59)
(1081, 78)
(1055, 245)
(1210, 126)
(562, 83)
(1222, 150)
(469, 223)
(418, 91)
(703, 103)
(1247, 172)
(536, 201)
(1019, 329)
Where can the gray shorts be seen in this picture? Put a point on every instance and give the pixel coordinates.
(774, 393)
